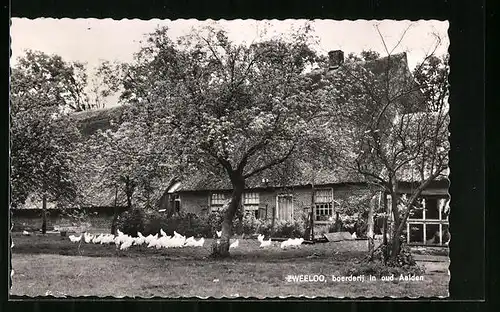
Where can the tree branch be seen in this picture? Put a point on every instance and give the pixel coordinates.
(271, 164)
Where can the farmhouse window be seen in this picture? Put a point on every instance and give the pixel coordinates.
(428, 222)
(176, 202)
(251, 203)
(431, 209)
(217, 201)
(323, 200)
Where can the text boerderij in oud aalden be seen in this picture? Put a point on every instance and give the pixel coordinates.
(306, 278)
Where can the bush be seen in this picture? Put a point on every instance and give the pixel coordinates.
(214, 221)
(190, 224)
(187, 224)
(132, 221)
(265, 228)
(404, 258)
(289, 229)
(250, 224)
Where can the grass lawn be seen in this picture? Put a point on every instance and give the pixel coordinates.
(52, 265)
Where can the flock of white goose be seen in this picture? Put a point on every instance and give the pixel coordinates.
(124, 241)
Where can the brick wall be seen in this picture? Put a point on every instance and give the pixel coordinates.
(194, 202)
(198, 202)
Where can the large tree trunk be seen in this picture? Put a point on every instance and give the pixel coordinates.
(395, 242)
(222, 249)
(44, 214)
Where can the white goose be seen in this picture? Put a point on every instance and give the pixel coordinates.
(265, 243)
(199, 243)
(234, 244)
(75, 239)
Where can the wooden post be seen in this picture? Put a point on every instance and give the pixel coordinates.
(274, 217)
(313, 201)
(370, 233)
(115, 212)
(44, 213)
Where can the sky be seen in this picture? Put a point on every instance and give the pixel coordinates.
(93, 40)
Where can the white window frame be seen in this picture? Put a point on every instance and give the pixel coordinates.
(426, 222)
(327, 209)
(221, 201)
(251, 202)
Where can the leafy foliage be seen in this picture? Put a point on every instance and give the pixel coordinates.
(127, 157)
(43, 154)
(50, 81)
(187, 224)
(132, 221)
(289, 229)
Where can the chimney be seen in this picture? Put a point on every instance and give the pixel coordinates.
(336, 58)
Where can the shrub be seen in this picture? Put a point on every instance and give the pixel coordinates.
(265, 228)
(132, 221)
(250, 224)
(289, 229)
(214, 221)
(190, 224)
(187, 224)
(404, 258)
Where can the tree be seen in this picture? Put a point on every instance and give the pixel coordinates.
(125, 160)
(396, 129)
(233, 109)
(63, 84)
(42, 136)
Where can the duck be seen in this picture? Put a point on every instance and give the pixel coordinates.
(297, 242)
(199, 243)
(127, 243)
(150, 238)
(162, 232)
(88, 237)
(234, 244)
(189, 242)
(152, 242)
(75, 239)
(285, 244)
(97, 240)
(260, 238)
(264, 243)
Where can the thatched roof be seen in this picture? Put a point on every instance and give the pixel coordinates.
(92, 120)
(304, 175)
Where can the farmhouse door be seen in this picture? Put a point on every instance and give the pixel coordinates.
(285, 207)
